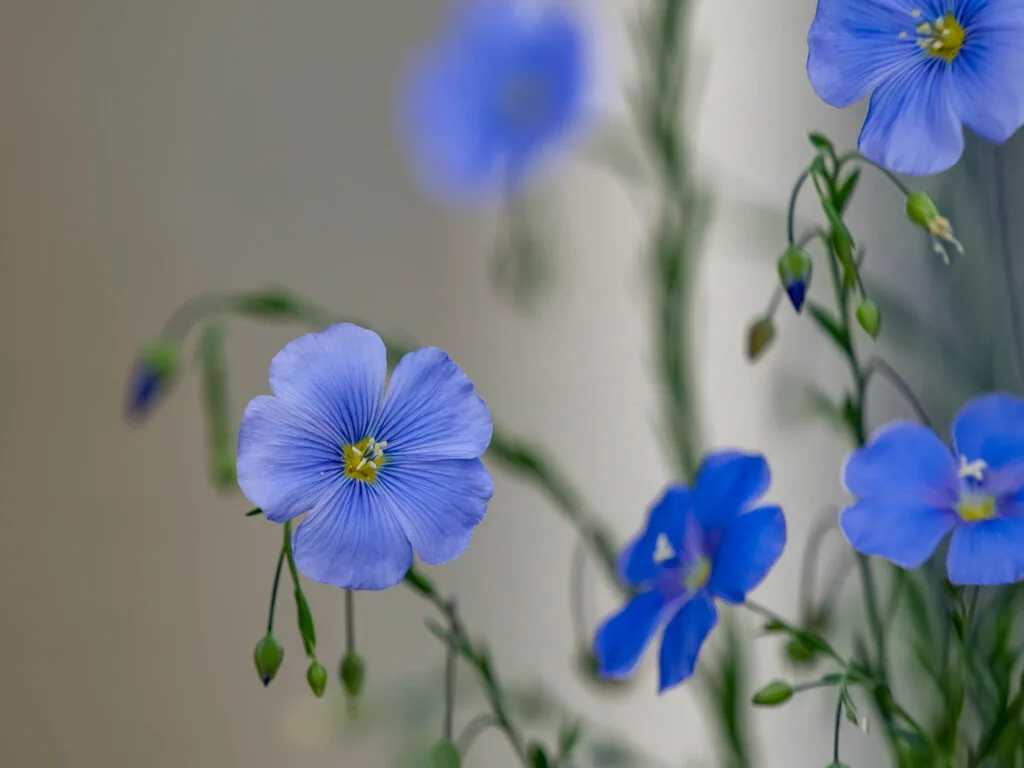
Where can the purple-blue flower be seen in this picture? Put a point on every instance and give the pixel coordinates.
(931, 66)
(483, 104)
(912, 491)
(699, 544)
(378, 474)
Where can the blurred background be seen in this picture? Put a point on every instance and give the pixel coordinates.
(152, 150)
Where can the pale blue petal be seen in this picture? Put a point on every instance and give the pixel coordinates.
(285, 460)
(903, 459)
(683, 638)
(352, 540)
(335, 376)
(431, 410)
(991, 428)
(855, 46)
(620, 641)
(727, 483)
(750, 546)
(437, 503)
(912, 125)
(667, 517)
(987, 553)
(903, 531)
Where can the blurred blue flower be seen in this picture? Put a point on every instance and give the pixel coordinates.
(911, 491)
(378, 475)
(930, 67)
(503, 83)
(154, 371)
(698, 544)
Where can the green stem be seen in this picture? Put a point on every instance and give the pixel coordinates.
(350, 622)
(273, 593)
(856, 157)
(835, 736)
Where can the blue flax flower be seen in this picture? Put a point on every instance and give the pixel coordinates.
(931, 66)
(481, 106)
(912, 491)
(378, 474)
(699, 544)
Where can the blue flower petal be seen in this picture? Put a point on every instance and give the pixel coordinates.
(636, 564)
(991, 428)
(620, 641)
(286, 459)
(855, 45)
(989, 72)
(988, 553)
(904, 531)
(352, 540)
(683, 639)
(437, 503)
(749, 548)
(903, 459)
(431, 410)
(912, 125)
(727, 482)
(336, 375)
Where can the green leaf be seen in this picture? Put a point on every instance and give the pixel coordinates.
(846, 190)
(254, 512)
(306, 627)
(828, 323)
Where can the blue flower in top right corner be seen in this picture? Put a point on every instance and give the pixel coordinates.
(912, 491)
(930, 66)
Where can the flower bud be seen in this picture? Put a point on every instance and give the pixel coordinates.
(869, 317)
(775, 693)
(538, 757)
(316, 676)
(352, 673)
(157, 364)
(922, 211)
(760, 336)
(795, 273)
(444, 754)
(268, 656)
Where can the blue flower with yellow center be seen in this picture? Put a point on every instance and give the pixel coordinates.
(912, 491)
(699, 544)
(931, 66)
(483, 104)
(378, 474)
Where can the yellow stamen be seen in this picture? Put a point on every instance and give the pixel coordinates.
(942, 38)
(363, 459)
(976, 508)
(699, 575)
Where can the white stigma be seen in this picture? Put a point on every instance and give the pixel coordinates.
(974, 469)
(663, 550)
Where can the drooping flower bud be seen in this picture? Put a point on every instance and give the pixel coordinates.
(922, 211)
(156, 366)
(775, 693)
(869, 317)
(444, 754)
(268, 656)
(316, 676)
(795, 273)
(352, 673)
(760, 336)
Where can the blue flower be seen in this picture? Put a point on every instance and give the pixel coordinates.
(931, 66)
(699, 544)
(912, 491)
(480, 107)
(378, 475)
(154, 371)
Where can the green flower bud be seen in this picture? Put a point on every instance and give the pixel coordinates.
(444, 754)
(800, 653)
(538, 757)
(155, 367)
(869, 317)
(922, 211)
(775, 693)
(316, 676)
(268, 656)
(352, 673)
(795, 272)
(760, 336)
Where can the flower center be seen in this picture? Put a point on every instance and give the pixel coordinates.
(698, 574)
(973, 507)
(363, 459)
(943, 37)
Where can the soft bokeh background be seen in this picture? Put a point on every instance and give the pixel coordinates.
(151, 150)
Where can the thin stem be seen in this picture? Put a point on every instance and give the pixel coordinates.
(880, 366)
(839, 722)
(859, 158)
(791, 214)
(273, 592)
(350, 622)
(290, 555)
(576, 581)
(472, 732)
(449, 673)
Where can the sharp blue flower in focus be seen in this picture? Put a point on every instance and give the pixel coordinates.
(378, 474)
(481, 106)
(931, 66)
(912, 491)
(699, 544)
